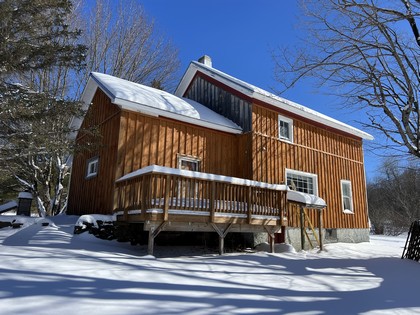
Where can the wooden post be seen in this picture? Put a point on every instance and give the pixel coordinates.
(151, 243)
(221, 245)
(212, 200)
(320, 228)
(222, 234)
(302, 227)
(166, 202)
(249, 204)
(271, 238)
(152, 234)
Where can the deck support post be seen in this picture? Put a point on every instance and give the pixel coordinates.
(302, 228)
(222, 234)
(320, 228)
(152, 234)
(271, 238)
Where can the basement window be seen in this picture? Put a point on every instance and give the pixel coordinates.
(346, 196)
(285, 128)
(301, 181)
(92, 167)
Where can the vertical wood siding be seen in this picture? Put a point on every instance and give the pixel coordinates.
(331, 156)
(95, 195)
(221, 101)
(148, 140)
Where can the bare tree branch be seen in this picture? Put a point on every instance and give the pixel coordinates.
(365, 51)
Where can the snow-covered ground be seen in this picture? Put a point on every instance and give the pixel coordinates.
(48, 270)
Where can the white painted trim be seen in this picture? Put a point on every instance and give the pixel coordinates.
(290, 122)
(348, 211)
(314, 176)
(266, 97)
(90, 162)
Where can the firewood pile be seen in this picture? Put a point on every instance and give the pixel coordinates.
(412, 245)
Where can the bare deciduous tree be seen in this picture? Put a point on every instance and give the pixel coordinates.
(394, 197)
(122, 41)
(366, 51)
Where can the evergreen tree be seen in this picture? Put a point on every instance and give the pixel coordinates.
(34, 124)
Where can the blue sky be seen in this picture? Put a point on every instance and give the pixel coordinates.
(239, 36)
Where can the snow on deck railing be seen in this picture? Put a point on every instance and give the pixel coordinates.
(199, 175)
(196, 193)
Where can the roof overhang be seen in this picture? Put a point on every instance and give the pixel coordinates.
(94, 83)
(306, 200)
(257, 94)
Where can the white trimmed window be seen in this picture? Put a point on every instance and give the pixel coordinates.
(188, 189)
(188, 163)
(346, 196)
(301, 181)
(92, 167)
(285, 128)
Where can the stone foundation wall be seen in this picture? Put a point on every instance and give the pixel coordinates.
(328, 236)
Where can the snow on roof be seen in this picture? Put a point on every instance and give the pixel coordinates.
(310, 201)
(8, 206)
(266, 97)
(25, 195)
(137, 97)
(200, 175)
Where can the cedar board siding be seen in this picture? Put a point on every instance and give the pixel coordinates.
(331, 156)
(95, 195)
(135, 141)
(146, 140)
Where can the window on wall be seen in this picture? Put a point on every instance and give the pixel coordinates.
(92, 167)
(346, 196)
(301, 181)
(188, 163)
(188, 189)
(285, 128)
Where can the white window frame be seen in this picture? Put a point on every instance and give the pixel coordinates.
(92, 167)
(187, 158)
(290, 123)
(185, 188)
(304, 174)
(342, 183)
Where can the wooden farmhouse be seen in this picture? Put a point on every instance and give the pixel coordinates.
(220, 155)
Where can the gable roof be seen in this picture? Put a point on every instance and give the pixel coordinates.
(266, 97)
(144, 99)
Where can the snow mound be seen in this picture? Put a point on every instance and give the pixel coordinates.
(91, 219)
(278, 248)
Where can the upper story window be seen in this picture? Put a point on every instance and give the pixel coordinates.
(303, 182)
(346, 196)
(285, 128)
(92, 167)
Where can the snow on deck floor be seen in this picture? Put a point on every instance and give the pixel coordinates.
(48, 270)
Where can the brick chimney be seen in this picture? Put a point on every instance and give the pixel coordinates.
(205, 60)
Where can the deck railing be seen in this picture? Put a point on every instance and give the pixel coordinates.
(162, 193)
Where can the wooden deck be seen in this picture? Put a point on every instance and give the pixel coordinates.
(178, 200)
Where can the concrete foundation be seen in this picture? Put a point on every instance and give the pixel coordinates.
(293, 236)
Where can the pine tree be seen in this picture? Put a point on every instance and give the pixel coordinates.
(34, 124)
